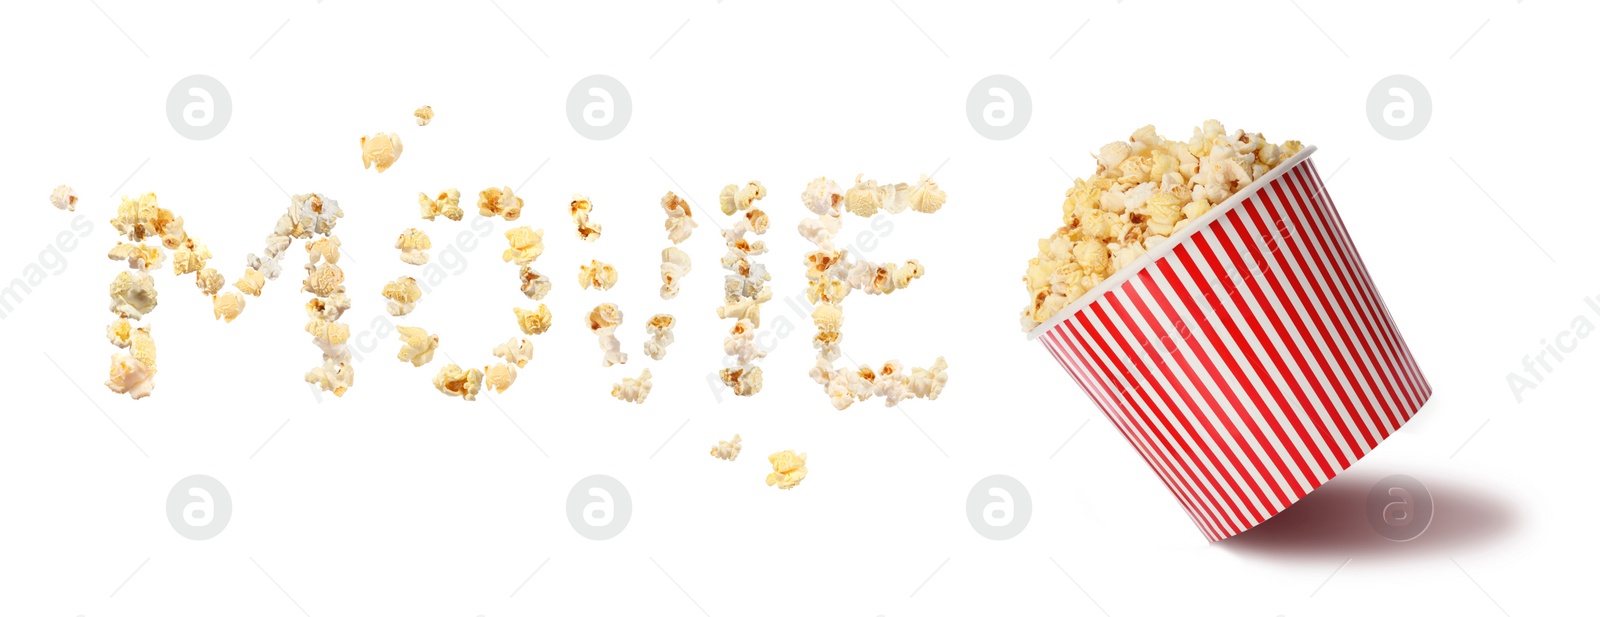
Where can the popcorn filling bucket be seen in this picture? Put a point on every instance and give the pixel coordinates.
(1249, 359)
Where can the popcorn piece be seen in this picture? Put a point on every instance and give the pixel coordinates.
(227, 306)
(727, 450)
(64, 198)
(413, 244)
(329, 308)
(788, 469)
(251, 282)
(447, 203)
(516, 351)
(603, 321)
(416, 345)
(330, 337)
(928, 383)
(120, 333)
(926, 196)
(674, 266)
(324, 250)
(534, 285)
(526, 245)
(382, 150)
(133, 294)
(143, 347)
(308, 214)
(741, 343)
(334, 376)
(632, 390)
(139, 256)
(534, 322)
(499, 377)
(660, 330)
(735, 198)
(209, 281)
(680, 221)
(324, 280)
(403, 294)
(129, 376)
(191, 257)
(597, 274)
(453, 381)
(581, 208)
(1143, 190)
(865, 198)
(424, 115)
(745, 381)
(493, 202)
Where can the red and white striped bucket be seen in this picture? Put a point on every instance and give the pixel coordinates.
(1249, 359)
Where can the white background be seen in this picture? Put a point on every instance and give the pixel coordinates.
(396, 500)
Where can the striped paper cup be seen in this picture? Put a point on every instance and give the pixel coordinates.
(1249, 359)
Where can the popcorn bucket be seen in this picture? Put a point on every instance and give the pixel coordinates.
(1249, 359)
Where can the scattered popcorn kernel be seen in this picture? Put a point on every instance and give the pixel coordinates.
(446, 203)
(139, 256)
(493, 202)
(64, 198)
(453, 381)
(251, 282)
(1142, 191)
(727, 450)
(674, 266)
(632, 390)
(659, 328)
(403, 294)
(413, 245)
(129, 376)
(597, 274)
(209, 281)
(416, 345)
(534, 285)
(735, 198)
(498, 377)
(517, 351)
(424, 115)
(334, 376)
(227, 306)
(788, 469)
(133, 294)
(603, 321)
(382, 150)
(581, 208)
(680, 221)
(533, 322)
(526, 245)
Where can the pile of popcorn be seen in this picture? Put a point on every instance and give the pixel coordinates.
(1143, 191)
(745, 288)
(832, 274)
